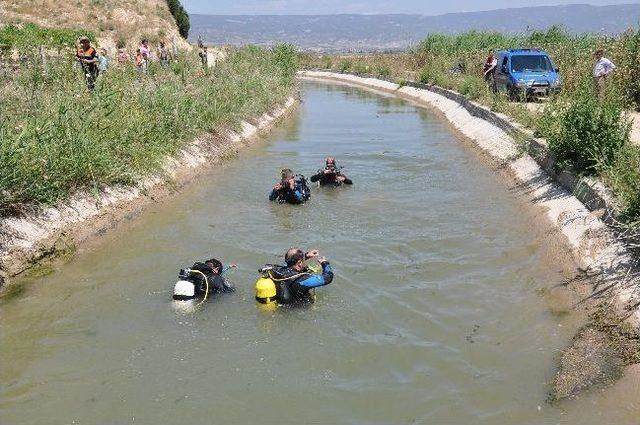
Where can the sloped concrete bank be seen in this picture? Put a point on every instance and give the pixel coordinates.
(573, 205)
(24, 241)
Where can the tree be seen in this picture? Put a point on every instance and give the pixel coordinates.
(181, 16)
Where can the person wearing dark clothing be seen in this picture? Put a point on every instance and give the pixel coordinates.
(296, 282)
(330, 175)
(163, 54)
(489, 70)
(88, 59)
(213, 270)
(204, 57)
(292, 189)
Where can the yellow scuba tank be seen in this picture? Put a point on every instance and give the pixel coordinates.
(265, 290)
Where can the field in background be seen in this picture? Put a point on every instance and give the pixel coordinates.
(57, 138)
(586, 134)
(377, 33)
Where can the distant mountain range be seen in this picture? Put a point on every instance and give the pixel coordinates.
(388, 32)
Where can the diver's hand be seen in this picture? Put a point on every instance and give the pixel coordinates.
(322, 260)
(277, 187)
(312, 254)
(233, 266)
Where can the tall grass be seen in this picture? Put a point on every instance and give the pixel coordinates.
(57, 138)
(28, 35)
(436, 56)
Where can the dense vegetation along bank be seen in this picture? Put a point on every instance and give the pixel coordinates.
(57, 138)
(587, 134)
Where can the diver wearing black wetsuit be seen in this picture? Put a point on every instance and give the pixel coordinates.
(330, 175)
(296, 281)
(213, 270)
(292, 189)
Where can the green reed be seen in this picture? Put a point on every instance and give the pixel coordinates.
(57, 138)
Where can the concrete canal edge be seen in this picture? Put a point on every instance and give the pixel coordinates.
(26, 241)
(573, 205)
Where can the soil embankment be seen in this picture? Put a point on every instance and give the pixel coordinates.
(571, 205)
(24, 241)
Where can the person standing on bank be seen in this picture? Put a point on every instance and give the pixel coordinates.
(88, 59)
(145, 52)
(103, 61)
(163, 54)
(601, 70)
(490, 66)
(204, 57)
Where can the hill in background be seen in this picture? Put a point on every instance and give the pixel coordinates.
(381, 32)
(110, 20)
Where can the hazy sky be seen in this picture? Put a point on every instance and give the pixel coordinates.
(315, 7)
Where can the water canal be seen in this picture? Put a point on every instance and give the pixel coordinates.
(440, 311)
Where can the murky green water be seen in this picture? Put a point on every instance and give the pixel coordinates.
(434, 316)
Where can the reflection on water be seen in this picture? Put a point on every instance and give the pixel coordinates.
(434, 316)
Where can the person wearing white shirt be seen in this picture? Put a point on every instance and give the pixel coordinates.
(602, 68)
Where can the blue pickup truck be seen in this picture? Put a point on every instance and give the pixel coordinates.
(525, 73)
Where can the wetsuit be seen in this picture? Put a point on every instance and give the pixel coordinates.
(330, 179)
(299, 195)
(217, 283)
(299, 289)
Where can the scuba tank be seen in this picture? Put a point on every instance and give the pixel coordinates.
(265, 287)
(192, 283)
(285, 193)
(303, 186)
(184, 288)
(272, 287)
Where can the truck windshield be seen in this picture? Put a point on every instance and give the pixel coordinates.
(532, 63)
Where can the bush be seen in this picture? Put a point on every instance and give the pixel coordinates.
(361, 68)
(555, 34)
(623, 176)
(383, 71)
(345, 65)
(440, 44)
(472, 88)
(585, 132)
(430, 76)
(627, 57)
(285, 57)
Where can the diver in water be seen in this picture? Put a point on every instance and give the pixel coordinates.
(292, 189)
(331, 175)
(206, 278)
(295, 282)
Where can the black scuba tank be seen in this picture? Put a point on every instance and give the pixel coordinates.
(301, 182)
